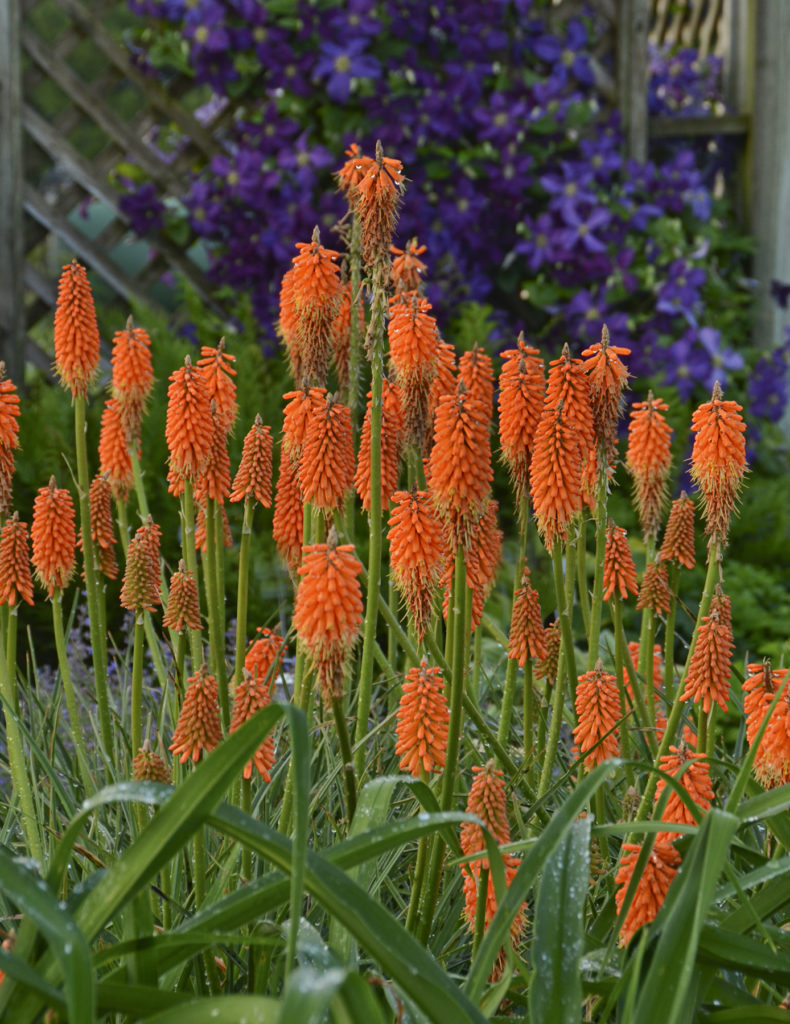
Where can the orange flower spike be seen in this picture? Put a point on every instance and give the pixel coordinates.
(376, 201)
(317, 292)
(255, 692)
(423, 717)
(148, 766)
(772, 763)
(460, 471)
(654, 591)
(141, 590)
(417, 554)
(265, 655)
(9, 411)
(132, 377)
(661, 868)
(527, 635)
(216, 366)
(522, 389)
(189, 423)
(326, 468)
(695, 780)
(487, 800)
(476, 370)
(445, 382)
(619, 571)
(718, 461)
(15, 578)
(213, 481)
(678, 543)
(288, 514)
(708, 678)
(391, 444)
(102, 532)
(598, 712)
(254, 476)
(649, 460)
(200, 529)
(296, 416)
(482, 561)
(568, 390)
(183, 606)
(198, 727)
(341, 334)
(76, 331)
(328, 610)
(54, 537)
(114, 460)
(353, 170)
(288, 325)
(407, 267)
(555, 476)
(413, 337)
(608, 380)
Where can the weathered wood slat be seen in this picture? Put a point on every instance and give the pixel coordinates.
(40, 285)
(12, 255)
(712, 20)
(687, 127)
(73, 86)
(154, 93)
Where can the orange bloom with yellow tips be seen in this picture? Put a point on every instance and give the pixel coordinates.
(102, 532)
(376, 200)
(654, 590)
(353, 170)
(198, 727)
(189, 425)
(521, 392)
(693, 773)
(16, 580)
(649, 460)
(254, 476)
(477, 372)
(287, 522)
(417, 554)
(326, 468)
(391, 445)
(718, 461)
(407, 267)
(527, 635)
(114, 459)
(148, 766)
(317, 293)
(77, 341)
(651, 891)
(328, 610)
(141, 590)
(678, 545)
(54, 537)
(423, 717)
(555, 476)
(183, 606)
(708, 678)
(619, 571)
(547, 667)
(598, 712)
(132, 377)
(216, 365)
(296, 416)
(608, 380)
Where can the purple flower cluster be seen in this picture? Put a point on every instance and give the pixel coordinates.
(516, 180)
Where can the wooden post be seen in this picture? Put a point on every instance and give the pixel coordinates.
(12, 250)
(770, 164)
(633, 22)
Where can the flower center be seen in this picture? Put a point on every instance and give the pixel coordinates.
(343, 63)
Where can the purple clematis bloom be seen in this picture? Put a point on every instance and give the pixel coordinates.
(688, 364)
(581, 227)
(340, 64)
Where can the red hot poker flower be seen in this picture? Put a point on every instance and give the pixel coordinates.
(54, 537)
(555, 476)
(521, 393)
(188, 426)
(377, 198)
(100, 504)
(527, 635)
(114, 460)
(216, 366)
(598, 712)
(326, 468)
(288, 513)
(423, 717)
(652, 888)
(678, 543)
(708, 677)
(416, 554)
(15, 578)
(296, 416)
(76, 331)
(718, 461)
(317, 292)
(407, 267)
(693, 772)
(141, 590)
(619, 571)
(654, 591)
(353, 170)
(254, 476)
(649, 460)
(183, 606)
(9, 411)
(391, 444)
(476, 371)
(198, 727)
(132, 377)
(608, 379)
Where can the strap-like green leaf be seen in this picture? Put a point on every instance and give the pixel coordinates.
(222, 1010)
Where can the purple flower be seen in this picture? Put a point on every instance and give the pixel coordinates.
(305, 160)
(724, 361)
(340, 64)
(767, 388)
(581, 227)
(569, 188)
(688, 364)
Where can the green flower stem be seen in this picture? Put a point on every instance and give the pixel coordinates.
(423, 849)
(702, 728)
(243, 591)
(68, 690)
(180, 659)
(640, 708)
(137, 683)
(355, 389)
(216, 638)
(16, 753)
(456, 611)
(474, 679)
(650, 695)
(98, 626)
(625, 711)
(511, 671)
(219, 554)
(710, 744)
(596, 607)
(528, 698)
(565, 610)
(189, 555)
(581, 577)
(467, 653)
(139, 486)
(374, 551)
(669, 636)
(10, 652)
(673, 719)
(246, 806)
(199, 868)
(344, 740)
(480, 910)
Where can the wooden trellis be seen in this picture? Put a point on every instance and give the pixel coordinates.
(63, 130)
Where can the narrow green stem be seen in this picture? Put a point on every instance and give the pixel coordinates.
(418, 881)
(243, 592)
(374, 551)
(596, 607)
(137, 683)
(190, 561)
(581, 577)
(348, 758)
(139, 487)
(564, 614)
(528, 699)
(702, 729)
(642, 714)
(68, 691)
(16, 754)
(10, 652)
(511, 671)
(246, 806)
(474, 679)
(650, 695)
(355, 389)
(219, 554)
(98, 628)
(619, 668)
(710, 742)
(216, 635)
(480, 909)
(669, 636)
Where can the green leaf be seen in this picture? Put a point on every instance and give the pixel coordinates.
(741, 953)
(309, 992)
(497, 934)
(37, 901)
(668, 982)
(750, 1014)
(556, 990)
(222, 1010)
(765, 805)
